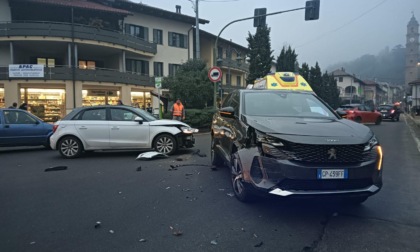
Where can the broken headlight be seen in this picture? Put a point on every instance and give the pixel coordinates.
(372, 143)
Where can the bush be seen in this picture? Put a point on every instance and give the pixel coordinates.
(197, 118)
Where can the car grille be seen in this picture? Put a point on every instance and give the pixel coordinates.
(327, 153)
(313, 185)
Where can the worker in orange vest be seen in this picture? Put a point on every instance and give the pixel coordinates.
(178, 111)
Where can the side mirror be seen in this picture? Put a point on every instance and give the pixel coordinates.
(227, 112)
(138, 119)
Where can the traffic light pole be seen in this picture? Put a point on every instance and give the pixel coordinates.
(215, 54)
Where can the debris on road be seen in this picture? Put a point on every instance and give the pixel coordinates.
(32, 243)
(142, 240)
(213, 242)
(197, 152)
(111, 231)
(258, 245)
(56, 168)
(138, 168)
(98, 225)
(230, 194)
(151, 155)
(175, 232)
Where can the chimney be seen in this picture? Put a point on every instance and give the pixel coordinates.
(178, 9)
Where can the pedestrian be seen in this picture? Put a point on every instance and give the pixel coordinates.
(178, 111)
(24, 106)
(149, 108)
(120, 102)
(14, 105)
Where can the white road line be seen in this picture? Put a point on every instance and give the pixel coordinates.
(413, 134)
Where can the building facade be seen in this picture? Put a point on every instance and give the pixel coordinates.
(351, 88)
(412, 55)
(92, 52)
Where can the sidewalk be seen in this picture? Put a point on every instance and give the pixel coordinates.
(415, 119)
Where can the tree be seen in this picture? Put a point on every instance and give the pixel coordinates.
(191, 84)
(304, 71)
(260, 53)
(287, 60)
(331, 93)
(315, 80)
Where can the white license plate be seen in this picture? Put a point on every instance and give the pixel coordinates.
(383, 114)
(332, 174)
(384, 111)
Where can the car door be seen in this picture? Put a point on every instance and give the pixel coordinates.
(361, 112)
(20, 128)
(231, 124)
(93, 128)
(127, 133)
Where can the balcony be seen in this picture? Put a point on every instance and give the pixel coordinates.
(233, 64)
(94, 75)
(82, 32)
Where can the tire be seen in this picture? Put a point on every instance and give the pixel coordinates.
(378, 120)
(240, 188)
(165, 144)
(392, 119)
(216, 159)
(398, 118)
(358, 119)
(70, 147)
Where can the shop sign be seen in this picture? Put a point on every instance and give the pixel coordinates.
(158, 82)
(101, 93)
(26, 71)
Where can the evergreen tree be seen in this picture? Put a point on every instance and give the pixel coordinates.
(260, 53)
(304, 71)
(315, 80)
(191, 84)
(287, 60)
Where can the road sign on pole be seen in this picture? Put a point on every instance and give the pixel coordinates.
(215, 74)
(158, 82)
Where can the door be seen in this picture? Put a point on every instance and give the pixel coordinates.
(93, 128)
(125, 133)
(20, 128)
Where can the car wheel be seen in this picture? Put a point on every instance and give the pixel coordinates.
(70, 147)
(378, 120)
(240, 188)
(216, 159)
(398, 118)
(392, 119)
(165, 144)
(358, 119)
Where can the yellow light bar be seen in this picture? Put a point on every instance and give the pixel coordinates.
(380, 157)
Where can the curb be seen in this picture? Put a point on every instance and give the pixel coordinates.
(417, 122)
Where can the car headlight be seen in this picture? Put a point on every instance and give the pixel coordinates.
(372, 143)
(263, 138)
(188, 130)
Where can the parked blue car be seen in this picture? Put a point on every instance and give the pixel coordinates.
(20, 128)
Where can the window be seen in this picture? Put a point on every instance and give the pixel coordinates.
(87, 64)
(49, 62)
(122, 115)
(18, 117)
(137, 66)
(340, 79)
(173, 68)
(157, 36)
(228, 79)
(238, 80)
(137, 31)
(177, 40)
(93, 115)
(158, 68)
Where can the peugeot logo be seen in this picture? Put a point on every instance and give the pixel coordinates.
(332, 153)
(331, 140)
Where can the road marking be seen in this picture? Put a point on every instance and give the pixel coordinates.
(413, 134)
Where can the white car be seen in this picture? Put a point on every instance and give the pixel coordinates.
(118, 128)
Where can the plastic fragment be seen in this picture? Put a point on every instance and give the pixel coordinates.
(230, 194)
(258, 245)
(111, 231)
(142, 240)
(98, 224)
(32, 243)
(56, 168)
(213, 242)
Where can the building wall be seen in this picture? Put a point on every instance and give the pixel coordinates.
(4, 54)
(5, 15)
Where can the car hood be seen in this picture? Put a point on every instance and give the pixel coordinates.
(165, 122)
(310, 130)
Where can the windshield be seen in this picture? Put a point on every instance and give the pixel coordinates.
(285, 104)
(146, 115)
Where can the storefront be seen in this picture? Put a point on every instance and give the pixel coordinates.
(47, 104)
(140, 99)
(93, 97)
(2, 104)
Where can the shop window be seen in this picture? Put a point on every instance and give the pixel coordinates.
(100, 97)
(177, 40)
(140, 99)
(157, 36)
(137, 66)
(49, 62)
(47, 104)
(2, 105)
(238, 80)
(137, 31)
(87, 64)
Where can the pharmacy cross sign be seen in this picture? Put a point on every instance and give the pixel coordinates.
(215, 74)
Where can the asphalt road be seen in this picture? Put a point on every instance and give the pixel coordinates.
(191, 208)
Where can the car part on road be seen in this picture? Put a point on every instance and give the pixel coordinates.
(151, 155)
(70, 147)
(56, 168)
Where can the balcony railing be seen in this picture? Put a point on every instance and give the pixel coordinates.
(84, 32)
(233, 64)
(94, 75)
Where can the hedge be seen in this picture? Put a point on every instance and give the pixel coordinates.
(197, 118)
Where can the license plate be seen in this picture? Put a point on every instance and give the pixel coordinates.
(384, 111)
(332, 174)
(383, 114)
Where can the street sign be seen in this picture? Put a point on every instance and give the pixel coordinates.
(215, 74)
(158, 82)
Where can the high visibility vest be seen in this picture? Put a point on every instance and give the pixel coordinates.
(177, 109)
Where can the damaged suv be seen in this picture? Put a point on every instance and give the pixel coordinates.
(279, 138)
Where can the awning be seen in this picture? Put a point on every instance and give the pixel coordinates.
(82, 4)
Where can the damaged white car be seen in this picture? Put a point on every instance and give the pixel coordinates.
(118, 128)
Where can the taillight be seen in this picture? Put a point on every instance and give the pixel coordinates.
(350, 111)
(55, 128)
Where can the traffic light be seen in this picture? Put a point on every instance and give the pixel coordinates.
(259, 21)
(312, 10)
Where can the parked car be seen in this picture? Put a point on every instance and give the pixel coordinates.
(21, 128)
(118, 128)
(282, 141)
(390, 111)
(359, 113)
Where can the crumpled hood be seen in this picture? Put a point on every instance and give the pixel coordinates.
(166, 122)
(310, 130)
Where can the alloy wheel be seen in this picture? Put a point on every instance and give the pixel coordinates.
(165, 144)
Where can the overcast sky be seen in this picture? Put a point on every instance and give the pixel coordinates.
(346, 29)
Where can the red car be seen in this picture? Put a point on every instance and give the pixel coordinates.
(360, 113)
